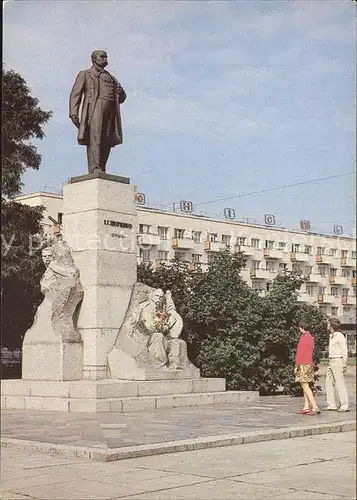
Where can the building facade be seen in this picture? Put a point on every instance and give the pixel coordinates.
(328, 262)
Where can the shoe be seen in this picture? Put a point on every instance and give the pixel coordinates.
(314, 412)
(343, 409)
(331, 409)
(304, 411)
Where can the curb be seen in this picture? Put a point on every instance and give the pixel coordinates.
(104, 454)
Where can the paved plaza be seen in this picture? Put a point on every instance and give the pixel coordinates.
(42, 457)
(104, 433)
(312, 468)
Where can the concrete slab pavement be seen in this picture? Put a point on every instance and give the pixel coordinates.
(108, 436)
(317, 468)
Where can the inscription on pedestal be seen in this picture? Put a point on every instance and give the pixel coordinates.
(115, 223)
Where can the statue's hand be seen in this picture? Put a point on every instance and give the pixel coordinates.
(121, 94)
(75, 120)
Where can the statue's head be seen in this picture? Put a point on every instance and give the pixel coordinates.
(100, 58)
(156, 295)
(47, 255)
(62, 254)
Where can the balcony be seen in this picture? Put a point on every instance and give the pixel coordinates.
(326, 260)
(313, 278)
(348, 300)
(323, 298)
(347, 262)
(247, 250)
(214, 246)
(306, 298)
(151, 239)
(338, 280)
(348, 319)
(354, 281)
(272, 253)
(261, 274)
(183, 243)
(299, 257)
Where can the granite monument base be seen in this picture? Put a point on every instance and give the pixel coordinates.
(99, 224)
(119, 396)
(52, 361)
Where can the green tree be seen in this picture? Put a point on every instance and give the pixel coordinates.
(23, 120)
(231, 330)
(22, 266)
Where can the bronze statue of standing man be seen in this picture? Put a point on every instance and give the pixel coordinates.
(99, 127)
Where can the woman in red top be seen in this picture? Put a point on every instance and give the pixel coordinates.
(304, 367)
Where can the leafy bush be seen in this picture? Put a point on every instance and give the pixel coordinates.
(232, 331)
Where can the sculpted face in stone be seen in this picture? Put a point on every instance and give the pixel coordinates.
(47, 256)
(156, 295)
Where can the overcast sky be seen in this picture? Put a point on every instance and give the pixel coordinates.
(223, 98)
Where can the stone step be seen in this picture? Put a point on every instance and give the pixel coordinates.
(129, 403)
(107, 388)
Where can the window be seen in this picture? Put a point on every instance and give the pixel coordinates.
(308, 270)
(270, 266)
(346, 273)
(322, 271)
(323, 309)
(241, 240)
(320, 250)
(333, 252)
(196, 236)
(179, 256)
(144, 254)
(179, 233)
(255, 264)
(354, 273)
(322, 290)
(334, 311)
(295, 267)
(59, 217)
(162, 255)
(255, 243)
(268, 286)
(354, 254)
(144, 229)
(295, 247)
(226, 239)
(162, 232)
(345, 292)
(344, 254)
(196, 257)
(310, 289)
(211, 257)
(257, 286)
(333, 272)
(308, 249)
(334, 291)
(212, 237)
(283, 267)
(269, 244)
(282, 245)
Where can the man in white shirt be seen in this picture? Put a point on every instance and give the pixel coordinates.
(338, 356)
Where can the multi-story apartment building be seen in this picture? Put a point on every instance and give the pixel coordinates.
(328, 262)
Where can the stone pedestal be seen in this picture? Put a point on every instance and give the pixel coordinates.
(117, 396)
(52, 361)
(99, 224)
